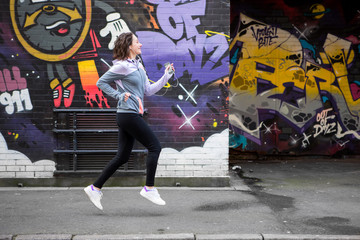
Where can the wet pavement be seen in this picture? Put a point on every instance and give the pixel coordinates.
(307, 196)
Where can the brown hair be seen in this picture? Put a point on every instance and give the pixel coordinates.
(121, 46)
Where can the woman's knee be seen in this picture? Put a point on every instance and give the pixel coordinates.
(155, 149)
(119, 160)
(158, 148)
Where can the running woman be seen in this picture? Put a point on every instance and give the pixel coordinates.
(132, 84)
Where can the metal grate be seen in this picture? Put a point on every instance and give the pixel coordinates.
(92, 120)
(89, 141)
(86, 140)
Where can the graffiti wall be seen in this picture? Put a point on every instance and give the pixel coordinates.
(53, 52)
(294, 71)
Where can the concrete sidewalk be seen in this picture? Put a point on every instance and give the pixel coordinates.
(184, 236)
(284, 200)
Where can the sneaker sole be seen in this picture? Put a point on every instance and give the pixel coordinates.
(144, 196)
(87, 194)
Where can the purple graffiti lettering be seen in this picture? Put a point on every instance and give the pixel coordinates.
(175, 16)
(198, 56)
(204, 59)
(7, 83)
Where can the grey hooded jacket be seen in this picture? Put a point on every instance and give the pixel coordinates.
(130, 76)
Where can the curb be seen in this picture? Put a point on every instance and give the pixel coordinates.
(309, 237)
(184, 236)
(43, 237)
(5, 189)
(181, 236)
(228, 237)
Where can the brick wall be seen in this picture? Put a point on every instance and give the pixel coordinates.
(294, 74)
(14, 164)
(210, 160)
(57, 68)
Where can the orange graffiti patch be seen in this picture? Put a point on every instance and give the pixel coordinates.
(89, 76)
(150, 10)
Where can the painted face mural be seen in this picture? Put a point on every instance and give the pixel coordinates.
(51, 30)
(54, 31)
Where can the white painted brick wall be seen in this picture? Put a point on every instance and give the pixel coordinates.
(24, 175)
(7, 174)
(14, 164)
(43, 174)
(211, 160)
(15, 168)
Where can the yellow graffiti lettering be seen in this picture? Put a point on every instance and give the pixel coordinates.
(340, 54)
(337, 51)
(276, 77)
(316, 73)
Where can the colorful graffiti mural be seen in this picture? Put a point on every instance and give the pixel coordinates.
(19, 98)
(53, 52)
(291, 92)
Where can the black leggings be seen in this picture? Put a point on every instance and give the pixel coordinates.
(132, 126)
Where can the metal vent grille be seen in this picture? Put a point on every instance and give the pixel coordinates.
(92, 120)
(88, 139)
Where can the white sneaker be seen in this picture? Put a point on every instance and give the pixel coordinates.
(94, 195)
(152, 195)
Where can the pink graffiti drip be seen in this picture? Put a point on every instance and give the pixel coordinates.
(94, 95)
(355, 91)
